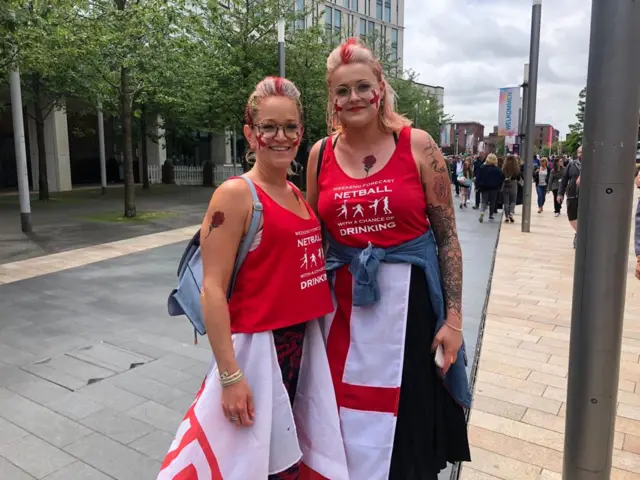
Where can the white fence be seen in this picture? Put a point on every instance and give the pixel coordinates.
(185, 175)
(222, 172)
(155, 174)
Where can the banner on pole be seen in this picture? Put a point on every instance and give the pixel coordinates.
(508, 108)
(445, 135)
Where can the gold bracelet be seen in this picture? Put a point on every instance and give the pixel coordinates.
(227, 379)
(452, 327)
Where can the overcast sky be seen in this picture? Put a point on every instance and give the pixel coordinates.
(474, 47)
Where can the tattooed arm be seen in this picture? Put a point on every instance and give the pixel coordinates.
(222, 228)
(437, 185)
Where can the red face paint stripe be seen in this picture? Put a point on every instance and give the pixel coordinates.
(376, 99)
(261, 142)
(336, 107)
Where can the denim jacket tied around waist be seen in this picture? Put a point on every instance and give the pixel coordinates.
(422, 252)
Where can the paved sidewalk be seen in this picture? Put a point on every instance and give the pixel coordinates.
(95, 377)
(517, 422)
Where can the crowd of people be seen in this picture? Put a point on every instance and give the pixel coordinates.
(338, 347)
(498, 183)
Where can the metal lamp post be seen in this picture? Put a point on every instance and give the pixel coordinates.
(530, 107)
(281, 54)
(604, 221)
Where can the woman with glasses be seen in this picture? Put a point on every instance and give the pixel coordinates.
(241, 425)
(394, 341)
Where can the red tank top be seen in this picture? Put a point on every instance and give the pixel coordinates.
(283, 281)
(387, 208)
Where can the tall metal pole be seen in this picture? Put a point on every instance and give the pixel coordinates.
(281, 54)
(20, 151)
(534, 54)
(604, 214)
(523, 117)
(103, 160)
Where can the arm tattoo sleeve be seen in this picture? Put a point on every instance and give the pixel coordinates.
(443, 221)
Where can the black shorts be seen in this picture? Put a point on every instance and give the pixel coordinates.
(572, 209)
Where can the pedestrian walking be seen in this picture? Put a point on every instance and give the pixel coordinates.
(511, 172)
(541, 179)
(570, 187)
(489, 180)
(557, 172)
(397, 279)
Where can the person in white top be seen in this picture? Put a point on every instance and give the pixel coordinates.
(541, 178)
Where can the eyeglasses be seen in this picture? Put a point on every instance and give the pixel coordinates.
(270, 130)
(362, 89)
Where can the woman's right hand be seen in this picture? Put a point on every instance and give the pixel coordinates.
(237, 403)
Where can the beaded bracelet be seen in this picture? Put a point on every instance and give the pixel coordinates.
(227, 379)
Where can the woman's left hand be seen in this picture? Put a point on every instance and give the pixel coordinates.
(451, 341)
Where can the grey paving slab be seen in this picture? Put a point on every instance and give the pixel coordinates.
(35, 456)
(10, 471)
(100, 320)
(78, 471)
(113, 458)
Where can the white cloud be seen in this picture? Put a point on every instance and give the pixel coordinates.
(474, 47)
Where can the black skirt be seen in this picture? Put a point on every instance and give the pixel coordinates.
(431, 429)
(289, 343)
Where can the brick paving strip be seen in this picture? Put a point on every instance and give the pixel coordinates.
(33, 267)
(516, 426)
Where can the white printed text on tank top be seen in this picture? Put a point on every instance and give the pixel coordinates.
(309, 245)
(364, 208)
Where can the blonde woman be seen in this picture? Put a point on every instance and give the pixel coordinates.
(541, 179)
(489, 181)
(241, 424)
(384, 196)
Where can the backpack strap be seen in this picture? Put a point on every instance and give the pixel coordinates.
(323, 145)
(247, 240)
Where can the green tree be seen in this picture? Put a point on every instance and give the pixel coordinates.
(576, 130)
(307, 53)
(39, 40)
(134, 53)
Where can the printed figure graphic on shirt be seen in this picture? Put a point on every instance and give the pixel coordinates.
(320, 253)
(342, 211)
(374, 205)
(385, 205)
(358, 210)
(305, 260)
(314, 260)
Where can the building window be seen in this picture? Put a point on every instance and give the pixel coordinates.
(337, 23)
(345, 3)
(363, 29)
(300, 22)
(354, 5)
(387, 10)
(394, 44)
(328, 19)
(379, 9)
(367, 8)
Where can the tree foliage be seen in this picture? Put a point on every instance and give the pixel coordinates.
(576, 130)
(193, 63)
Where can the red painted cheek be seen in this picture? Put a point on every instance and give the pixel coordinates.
(261, 142)
(298, 140)
(337, 108)
(375, 101)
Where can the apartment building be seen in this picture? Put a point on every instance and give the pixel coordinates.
(544, 135)
(380, 20)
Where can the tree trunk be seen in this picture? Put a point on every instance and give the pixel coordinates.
(145, 158)
(125, 113)
(43, 181)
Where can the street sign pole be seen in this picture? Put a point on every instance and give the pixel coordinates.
(532, 92)
(604, 222)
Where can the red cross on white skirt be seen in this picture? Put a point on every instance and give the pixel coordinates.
(355, 397)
